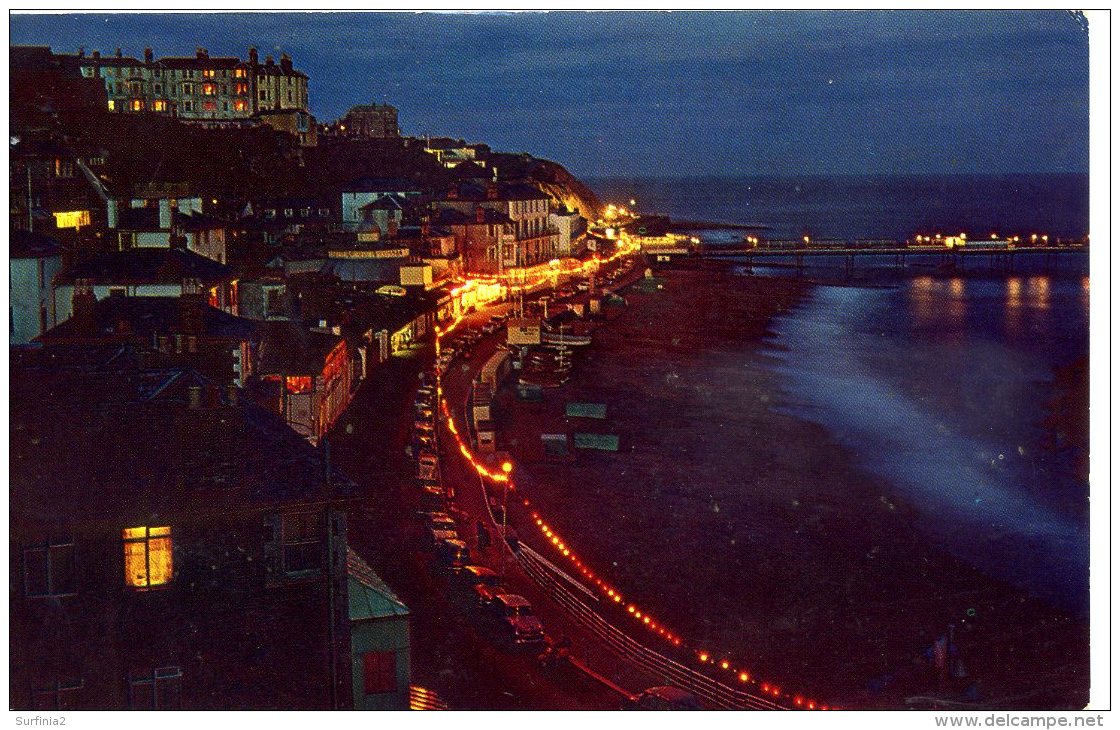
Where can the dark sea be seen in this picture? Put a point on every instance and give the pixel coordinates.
(937, 379)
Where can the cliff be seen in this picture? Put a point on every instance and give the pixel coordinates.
(552, 178)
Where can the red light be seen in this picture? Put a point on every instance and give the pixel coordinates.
(798, 701)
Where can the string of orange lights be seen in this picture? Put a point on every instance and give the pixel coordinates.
(613, 594)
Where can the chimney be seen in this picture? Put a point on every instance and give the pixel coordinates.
(190, 307)
(286, 63)
(96, 55)
(82, 52)
(491, 191)
(119, 55)
(82, 304)
(254, 59)
(268, 61)
(147, 55)
(480, 214)
(201, 53)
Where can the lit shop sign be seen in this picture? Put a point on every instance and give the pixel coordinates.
(71, 219)
(383, 253)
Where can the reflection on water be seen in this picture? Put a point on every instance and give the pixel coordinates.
(1038, 287)
(1013, 304)
(940, 385)
(921, 300)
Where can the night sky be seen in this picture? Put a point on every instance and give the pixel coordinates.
(676, 93)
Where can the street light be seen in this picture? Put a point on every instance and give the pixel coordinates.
(507, 469)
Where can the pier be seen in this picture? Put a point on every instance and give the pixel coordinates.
(998, 259)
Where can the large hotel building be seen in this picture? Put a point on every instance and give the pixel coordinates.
(202, 88)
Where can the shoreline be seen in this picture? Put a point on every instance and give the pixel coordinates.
(807, 566)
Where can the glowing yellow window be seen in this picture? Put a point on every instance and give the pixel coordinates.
(159, 105)
(112, 105)
(147, 556)
(137, 105)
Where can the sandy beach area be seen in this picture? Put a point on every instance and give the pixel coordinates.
(753, 533)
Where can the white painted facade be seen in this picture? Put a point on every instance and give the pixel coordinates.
(31, 310)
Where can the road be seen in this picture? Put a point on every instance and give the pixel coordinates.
(455, 650)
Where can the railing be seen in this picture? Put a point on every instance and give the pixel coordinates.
(672, 672)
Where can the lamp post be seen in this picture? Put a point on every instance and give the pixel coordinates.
(507, 468)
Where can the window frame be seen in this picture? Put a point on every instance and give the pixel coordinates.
(146, 540)
(154, 678)
(49, 572)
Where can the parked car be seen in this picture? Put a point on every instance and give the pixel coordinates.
(453, 553)
(663, 698)
(432, 499)
(516, 615)
(485, 584)
(427, 466)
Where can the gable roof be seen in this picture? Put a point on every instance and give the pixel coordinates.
(145, 316)
(370, 597)
(148, 266)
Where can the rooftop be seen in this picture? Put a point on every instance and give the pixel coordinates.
(141, 450)
(28, 245)
(129, 317)
(148, 266)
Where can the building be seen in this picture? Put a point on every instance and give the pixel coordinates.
(173, 547)
(528, 238)
(181, 332)
(379, 639)
(305, 376)
(371, 121)
(53, 191)
(144, 272)
(362, 192)
(205, 89)
(570, 227)
(453, 152)
(34, 260)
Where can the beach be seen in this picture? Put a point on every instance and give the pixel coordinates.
(756, 536)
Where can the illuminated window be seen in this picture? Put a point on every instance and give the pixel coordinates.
(112, 105)
(155, 689)
(241, 89)
(137, 105)
(50, 570)
(241, 105)
(302, 534)
(188, 89)
(159, 105)
(147, 556)
(379, 672)
(208, 73)
(208, 89)
(210, 106)
(239, 73)
(71, 219)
